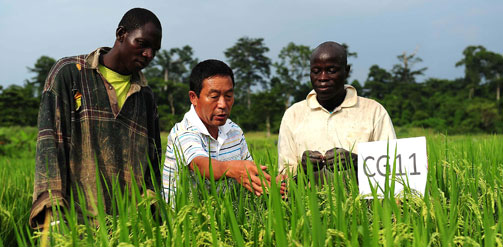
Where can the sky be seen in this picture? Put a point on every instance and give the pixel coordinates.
(438, 30)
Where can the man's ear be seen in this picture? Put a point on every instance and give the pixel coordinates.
(348, 68)
(120, 33)
(193, 98)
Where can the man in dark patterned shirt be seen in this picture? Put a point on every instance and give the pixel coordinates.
(98, 119)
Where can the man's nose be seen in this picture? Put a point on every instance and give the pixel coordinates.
(221, 102)
(323, 76)
(149, 53)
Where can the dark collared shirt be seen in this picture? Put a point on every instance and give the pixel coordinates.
(78, 144)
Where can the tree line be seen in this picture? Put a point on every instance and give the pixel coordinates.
(264, 89)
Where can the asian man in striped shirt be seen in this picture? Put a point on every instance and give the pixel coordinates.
(206, 132)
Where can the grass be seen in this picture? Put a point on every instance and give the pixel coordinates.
(462, 206)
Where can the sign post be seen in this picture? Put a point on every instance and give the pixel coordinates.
(409, 160)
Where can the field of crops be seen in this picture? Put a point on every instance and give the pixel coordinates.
(463, 205)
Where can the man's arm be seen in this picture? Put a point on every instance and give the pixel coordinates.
(287, 155)
(54, 121)
(383, 128)
(241, 170)
(155, 148)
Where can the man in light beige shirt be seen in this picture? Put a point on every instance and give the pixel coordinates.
(327, 125)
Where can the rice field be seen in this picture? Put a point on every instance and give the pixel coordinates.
(462, 206)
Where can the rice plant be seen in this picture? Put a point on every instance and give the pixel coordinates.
(462, 206)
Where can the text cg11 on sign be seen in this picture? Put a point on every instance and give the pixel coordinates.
(407, 157)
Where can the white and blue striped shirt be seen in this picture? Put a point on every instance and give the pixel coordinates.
(190, 138)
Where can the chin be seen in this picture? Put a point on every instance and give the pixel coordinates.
(220, 123)
(325, 95)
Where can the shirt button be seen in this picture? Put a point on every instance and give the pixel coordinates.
(110, 87)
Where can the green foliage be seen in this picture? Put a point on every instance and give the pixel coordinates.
(250, 65)
(443, 105)
(469, 104)
(41, 68)
(17, 142)
(168, 76)
(481, 64)
(18, 106)
(462, 206)
(403, 72)
(292, 70)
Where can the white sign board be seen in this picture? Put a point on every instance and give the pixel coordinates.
(411, 164)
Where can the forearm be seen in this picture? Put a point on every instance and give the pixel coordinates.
(51, 159)
(287, 156)
(219, 168)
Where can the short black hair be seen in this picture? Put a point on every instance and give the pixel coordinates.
(138, 17)
(333, 47)
(206, 69)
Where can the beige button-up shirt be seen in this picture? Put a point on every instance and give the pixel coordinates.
(306, 125)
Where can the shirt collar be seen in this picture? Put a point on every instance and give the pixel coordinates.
(350, 100)
(194, 119)
(93, 60)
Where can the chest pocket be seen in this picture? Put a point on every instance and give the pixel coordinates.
(358, 134)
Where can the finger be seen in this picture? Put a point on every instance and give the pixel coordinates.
(258, 181)
(248, 187)
(329, 153)
(315, 155)
(317, 160)
(329, 164)
(280, 178)
(257, 187)
(282, 189)
(267, 176)
(304, 158)
(256, 178)
(354, 157)
(318, 164)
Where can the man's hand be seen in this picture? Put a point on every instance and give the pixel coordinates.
(332, 157)
(281, 181)
(317, 160)
(247, 174)
(241, 170)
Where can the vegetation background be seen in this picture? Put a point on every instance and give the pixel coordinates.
(264, 89)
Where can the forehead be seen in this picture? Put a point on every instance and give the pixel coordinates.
(148, 31)
(217, 83)
(328, 56)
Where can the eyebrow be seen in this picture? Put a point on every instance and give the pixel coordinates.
(218, 91)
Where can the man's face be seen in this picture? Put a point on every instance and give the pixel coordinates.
(138, 47)
(328, 74)
(214, 104)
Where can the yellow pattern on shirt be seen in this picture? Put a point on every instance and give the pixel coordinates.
(121, 83)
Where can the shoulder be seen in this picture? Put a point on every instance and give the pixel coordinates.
(298, 109)
(371, 107)
(369, 103)
(148, 92)
(183, 127)
(234, 128)
(64, 68)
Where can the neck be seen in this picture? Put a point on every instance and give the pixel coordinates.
(111, 60)
(334, 102)
(213, 131)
